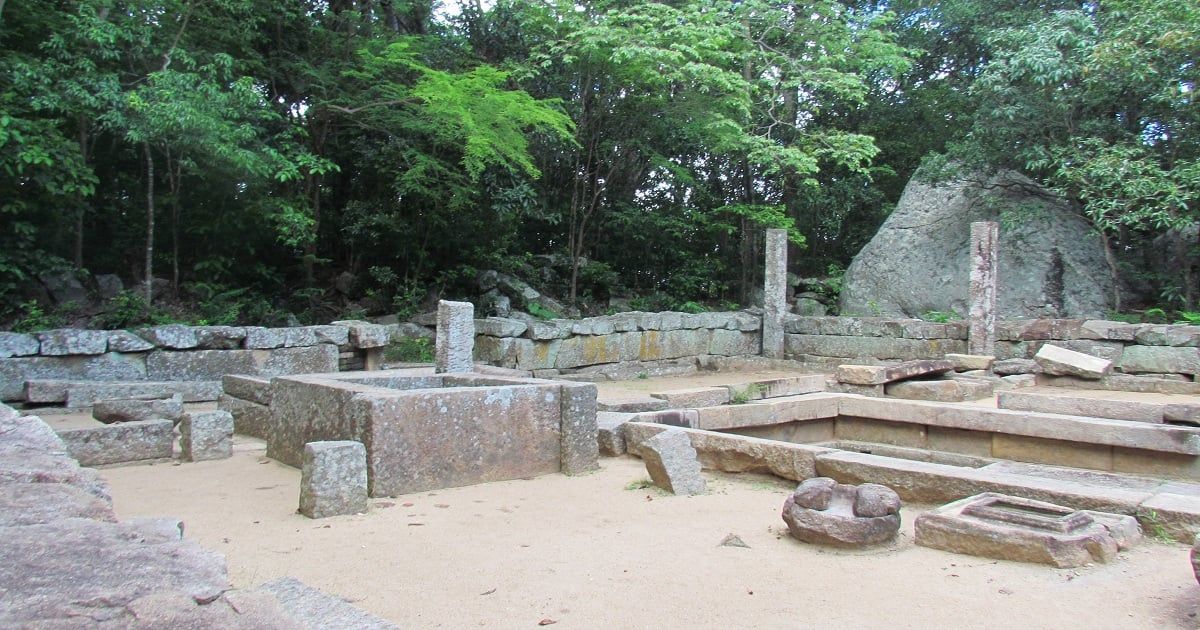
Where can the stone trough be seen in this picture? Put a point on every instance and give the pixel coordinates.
(424, 431)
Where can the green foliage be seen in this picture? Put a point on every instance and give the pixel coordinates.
(32, 317)
(409, 350)
(752, 391)
(940, 317)
(129, 309)
(539, 311)
(1154, 525)
(1187, 318)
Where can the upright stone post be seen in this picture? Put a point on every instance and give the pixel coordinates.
(774, 294)
(981, 337)
(455, 340)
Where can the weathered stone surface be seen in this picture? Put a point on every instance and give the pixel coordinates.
(672, 463)
(249, 418)
(85, 394)
(552, 329)
(259, 338)
(120, 443)
(307, 360)
(694, 397)
(876, 348)
(940, 390)
(1024, 530)
(580, 450)
(1124, 383)
(822, 511)
(455, 337)
(336, 335)
(1182, 413)
(1015, 366)
(170, 336)
(778, 387)
(732, 343)
(1081, 406)
(311, 608)
(774, 294)
(48, 582)
(1015, 381)
(333, 479)
(255, 389)
(981, 295)
(31, 452)
(1102, 329)
(1058, 361)
(206, 435)
(968, 362)
(610, 435)
(17, 345)
(125, 341)
(68, 341)
(592, 326)
(1160, 359)
(673, 344)
(1181, 336)
(365, 335)
(736, 453)
(1052, 263)
(632, 404)
(500, 327)
(219, 337)
(878, 375)
(586, 350)
(1195, 558)
(36, 503)
(199, 365)
(135, 409)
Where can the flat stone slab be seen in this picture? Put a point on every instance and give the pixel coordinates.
(694, 397)
(249, 418)
(1058, 361)
(255, 389)
(824, 512)
(315, 609)
(940, 390)
(1123, 383)
(120, 443)
(333, 479)
(880, 375)
(632, 404)
(206, 435)
(1006, 527)
(1132, 410)
(610, 435)
(968, 362)
(136, 409)
(779, 387)
(78, 394)
(672, 463)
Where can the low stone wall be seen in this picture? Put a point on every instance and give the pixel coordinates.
(1133, 348)
(179, 353)
(626, 342)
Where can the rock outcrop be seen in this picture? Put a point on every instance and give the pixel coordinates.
(1051, 261)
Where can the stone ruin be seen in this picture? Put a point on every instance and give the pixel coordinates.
(824, 512)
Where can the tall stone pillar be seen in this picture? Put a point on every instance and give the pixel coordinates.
(774, 294)
(455, 340)
(981, 336)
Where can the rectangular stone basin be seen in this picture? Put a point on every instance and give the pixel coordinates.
(424, 431)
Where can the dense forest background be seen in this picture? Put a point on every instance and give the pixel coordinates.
(273, 160)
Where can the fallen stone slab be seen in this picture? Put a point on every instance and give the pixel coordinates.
(736, 453)
(1058, 361)
(140, 408)
(940, 390)
(969, 362)
(824, 512)
(1122, 383)
(206, 435)
(1006, 527)
(610, 435)
(880, 375)
(672, 463)
(1132, 410)
(779, 387)
(120, 443)
(333, 479)
(694, 397)
(314, 609)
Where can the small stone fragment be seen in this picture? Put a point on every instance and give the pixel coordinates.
(733, 540)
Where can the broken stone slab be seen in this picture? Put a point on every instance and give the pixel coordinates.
(672, 463)
(333, 479)
(59, 574)
(1006, 527)
(880, 375)
(1132, 410)
(969, 362)
(125, 341)
(694, 397)
(140, 408)
(311, 608)
(1058, 361)
(940, 390)
(17, 345)
(824, 512)
(68, 341)
(120, 443)
(610, 435)
(1009, 367)
(206, 435)
(171, 336)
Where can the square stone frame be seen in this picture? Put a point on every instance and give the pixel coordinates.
(424, 431)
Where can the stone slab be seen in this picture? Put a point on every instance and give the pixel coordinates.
(455, 337)
(939, 390)
(694, 397)
(249, 418)
(1124, 383)
(255, 389)
(333, 479)
(125, 341)
(135, 409)
(69, 341)
(968, 362)
(1175, 516)
(206, 435)
(120, 443)
(610, 434)
(111, 366)
(1058, 361)
(735, 453)
(578, 429)
(77, 394)
(632, 404)
(1160, 359)
(170, 336)
(880, 375)
(17, 345)
(311, 608)
(1081, 406)
(672, 464)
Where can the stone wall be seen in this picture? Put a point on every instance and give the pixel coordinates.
(626, 343)
(1133, 348)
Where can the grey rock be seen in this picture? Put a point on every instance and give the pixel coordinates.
(120, 443)
(78, 394)
(609, 433)
(455, 339)
(336, 335)
(879, 375)
(822, 511)
(333, 479)
(68, 341)
(672, 463)
(199, 365)
(249, 418)
(1179, 336)
(308, 360)
(1051, 262)
(364, 335)
(125, 341)
(206, 435)
(252, 388)
(258, 338)
(36, 503)
(65, 287)
(111, 366)
(171, 337)
(500, 327)
(808, 307)
(1015, 366)
(314, 609)
(17, 345)
(108, 286)
(551, 329)
(135, 409)
(1160, 359)
(496, 303)
(219, 337)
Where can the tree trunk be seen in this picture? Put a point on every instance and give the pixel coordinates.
(149, 224)
(1111, 259)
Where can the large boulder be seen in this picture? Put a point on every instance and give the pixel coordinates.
(1052, 263)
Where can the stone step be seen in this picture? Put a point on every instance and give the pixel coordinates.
(78, 394)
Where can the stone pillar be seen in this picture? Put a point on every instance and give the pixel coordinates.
(981, 338)
(333, 480)
(774, 294)
(455, 337)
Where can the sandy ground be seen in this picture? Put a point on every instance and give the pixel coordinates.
(597, 551)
